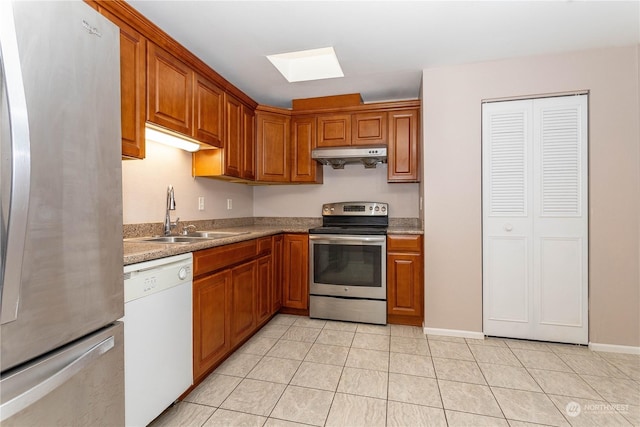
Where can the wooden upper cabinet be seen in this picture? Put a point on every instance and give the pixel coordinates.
(249, 143)
(402, 153)
(233, 137)
(334, 130)
(169, 91)
(303, 141)
(272, 147)
(133, 83)
(237, 157)
(208, 112)
(369, 128)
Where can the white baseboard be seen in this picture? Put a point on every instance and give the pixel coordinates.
(612, 348)
(454, 333)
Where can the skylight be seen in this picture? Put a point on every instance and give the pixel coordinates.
(305, 65)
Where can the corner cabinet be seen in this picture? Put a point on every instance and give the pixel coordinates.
(405, 285)
(402, 152)
(272, 146)
(303, 141)
(236, 159)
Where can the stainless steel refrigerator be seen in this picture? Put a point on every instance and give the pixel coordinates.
(61, 216)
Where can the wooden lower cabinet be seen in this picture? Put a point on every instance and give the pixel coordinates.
(405, 285)
(233, 296)
(211, 321)
(295, 277)
(276, 258)
(263, 289)
(243, 300)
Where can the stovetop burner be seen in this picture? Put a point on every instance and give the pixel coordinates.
(354, 218)
(352, 230)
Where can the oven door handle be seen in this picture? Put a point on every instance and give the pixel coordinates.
(345, 239)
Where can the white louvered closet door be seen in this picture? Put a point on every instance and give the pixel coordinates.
(535, 228)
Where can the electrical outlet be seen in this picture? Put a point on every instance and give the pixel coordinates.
(229, 204)
(201, 203)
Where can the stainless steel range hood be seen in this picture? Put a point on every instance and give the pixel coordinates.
(339, 156)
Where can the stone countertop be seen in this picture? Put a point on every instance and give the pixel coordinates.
(404, 230)
(136, 251)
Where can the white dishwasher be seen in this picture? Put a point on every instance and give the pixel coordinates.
(157, 336)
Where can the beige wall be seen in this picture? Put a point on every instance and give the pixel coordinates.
(452, 174)
(144, 185)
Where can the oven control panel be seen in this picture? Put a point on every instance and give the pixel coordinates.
(355, 209)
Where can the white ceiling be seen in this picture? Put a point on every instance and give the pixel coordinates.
(383, 46)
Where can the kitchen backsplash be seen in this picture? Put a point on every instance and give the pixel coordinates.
(145, 184)
(156, 228)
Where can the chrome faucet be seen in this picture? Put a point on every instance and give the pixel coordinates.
(171, 206)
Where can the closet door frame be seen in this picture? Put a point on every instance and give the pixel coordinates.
(543, 248)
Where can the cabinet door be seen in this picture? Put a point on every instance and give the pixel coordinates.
(369, 129)
(276, 257)
(334, 130)
(296, 271)
(303, 141)
(211, 321)
(404, 280)
(264, 284)
(273, 147)
(243, 292)
(403, 146)
(169, 91)
(133, 83)
(249, 143)
(208, 112)
(233, 145)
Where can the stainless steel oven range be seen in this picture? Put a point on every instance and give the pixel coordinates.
(347, 263)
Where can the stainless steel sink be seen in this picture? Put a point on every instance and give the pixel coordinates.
(215, 234)
(169, 239)
(194, 237)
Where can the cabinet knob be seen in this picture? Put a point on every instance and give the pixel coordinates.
(508, 227)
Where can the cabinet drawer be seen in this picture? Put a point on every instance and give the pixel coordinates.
(404, 243)
(216, 258)
(264, 245)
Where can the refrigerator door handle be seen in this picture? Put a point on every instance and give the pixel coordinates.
(16, 222)
(33, 394)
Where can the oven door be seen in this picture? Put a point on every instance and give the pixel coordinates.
(348, 266)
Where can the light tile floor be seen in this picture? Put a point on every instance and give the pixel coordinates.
(301, 371)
